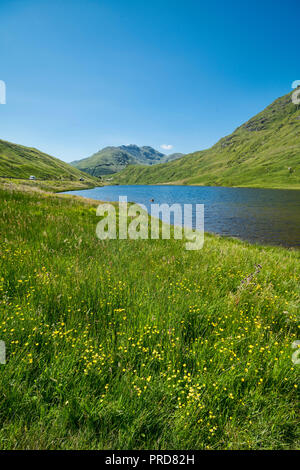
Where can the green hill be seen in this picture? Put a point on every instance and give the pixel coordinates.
(17, 161)
(263, 152)
(171, 157)
(111, 160)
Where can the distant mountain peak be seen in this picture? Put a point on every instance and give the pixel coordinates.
(110, 160)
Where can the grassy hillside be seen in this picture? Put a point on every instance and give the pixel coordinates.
(171, 157)
(263, 152)
(105, 354)
(54, 186)
(114, 159)
(17, 161)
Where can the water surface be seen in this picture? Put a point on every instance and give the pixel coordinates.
(265, 216)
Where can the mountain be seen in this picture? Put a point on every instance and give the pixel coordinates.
(171, 157)
(18, 161)
(114, 159)
(263, 152)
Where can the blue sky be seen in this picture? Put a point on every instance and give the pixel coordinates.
(82, 75)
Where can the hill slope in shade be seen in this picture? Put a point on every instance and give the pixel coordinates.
(263, 152)
(111, 160)
(18, 161)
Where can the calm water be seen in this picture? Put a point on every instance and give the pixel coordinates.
(267, 216)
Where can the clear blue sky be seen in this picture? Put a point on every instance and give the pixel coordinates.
(82, 75)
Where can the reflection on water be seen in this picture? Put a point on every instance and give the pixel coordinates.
(267, 216)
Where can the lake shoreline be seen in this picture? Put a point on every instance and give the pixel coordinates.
(205, 185)
(256, 215)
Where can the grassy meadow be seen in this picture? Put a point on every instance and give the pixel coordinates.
(53, 186)
(141, 344)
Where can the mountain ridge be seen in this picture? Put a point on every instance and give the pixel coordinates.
(262, 152)
(113, 159)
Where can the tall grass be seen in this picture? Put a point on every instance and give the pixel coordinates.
(141, 344)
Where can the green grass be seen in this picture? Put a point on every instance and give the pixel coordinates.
(141, 344)
(17, 161)
(48, 185)
(264, 152)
